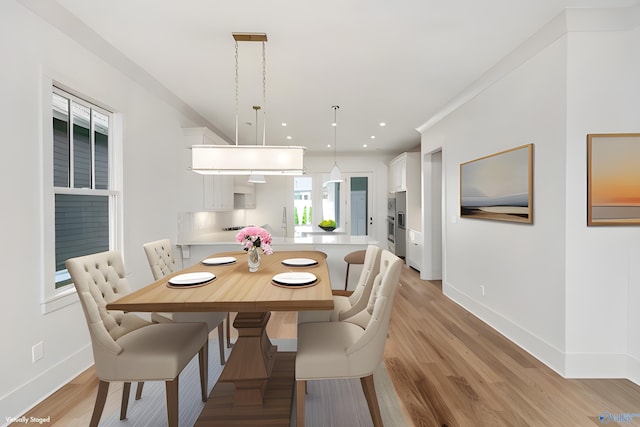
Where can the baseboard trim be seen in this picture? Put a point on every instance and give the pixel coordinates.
(597, 365)
(551, 356)
(23, 398)
(568, 365)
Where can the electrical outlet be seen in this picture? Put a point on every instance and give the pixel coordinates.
(37, 352)
(482, 289)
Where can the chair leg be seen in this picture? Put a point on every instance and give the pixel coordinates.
(301, 390)
(139, 390)
(221, 342)
(203, 359)
(228, 331)
(125, 400)
(101, 398)
(346, 279)
(172, 402)
(370, 394)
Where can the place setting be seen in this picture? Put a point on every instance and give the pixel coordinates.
(299, 262)
(191, 280)
(224, 260)
(295, 279)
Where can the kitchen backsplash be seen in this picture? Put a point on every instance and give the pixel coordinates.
(192, 225)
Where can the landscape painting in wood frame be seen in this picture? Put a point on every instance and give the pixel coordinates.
(499, 186)
(613, 179)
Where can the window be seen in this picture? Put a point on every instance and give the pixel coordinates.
(302, 207)
(84, 202)
(349, 204)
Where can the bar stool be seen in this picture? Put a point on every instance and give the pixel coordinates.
(355, 257)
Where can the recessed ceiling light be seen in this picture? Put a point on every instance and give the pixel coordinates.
(372, 137)
(288, 136)
(284, 124)
(334, 124)
(328, 145)
(383, 124)
(364, 145)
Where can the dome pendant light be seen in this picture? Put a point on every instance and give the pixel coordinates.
(335, 175)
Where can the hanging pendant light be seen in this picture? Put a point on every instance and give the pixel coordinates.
(255, 178)
(335, 175)
(248, 159)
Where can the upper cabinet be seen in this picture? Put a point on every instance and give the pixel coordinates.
(217, 190)
(404, 171)
(244, 193)
(398, 174)
(221, 192)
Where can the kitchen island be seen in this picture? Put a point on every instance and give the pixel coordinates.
(334, 244)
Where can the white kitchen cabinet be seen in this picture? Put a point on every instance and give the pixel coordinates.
(244, 193)
(217, 189)
(404, 173)
(218, 193)
(415, 249)
(398, 174)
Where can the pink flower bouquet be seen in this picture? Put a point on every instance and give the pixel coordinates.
(255, 236)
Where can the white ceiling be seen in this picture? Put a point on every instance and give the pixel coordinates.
(397, 62)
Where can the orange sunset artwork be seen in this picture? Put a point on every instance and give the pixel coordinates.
(615, 178)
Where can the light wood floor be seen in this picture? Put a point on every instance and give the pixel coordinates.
(448, 368)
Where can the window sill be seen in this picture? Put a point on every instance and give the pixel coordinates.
(60, 300)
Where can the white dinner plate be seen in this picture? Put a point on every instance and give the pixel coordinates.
(295, 278)
(192, 278)
(300, 262)
(219, 260)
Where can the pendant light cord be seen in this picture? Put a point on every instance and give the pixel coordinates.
(264, 92)
(237, 90)
(335, 133)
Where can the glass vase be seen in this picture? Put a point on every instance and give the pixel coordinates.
(253, 259)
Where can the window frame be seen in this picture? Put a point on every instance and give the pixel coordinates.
(343, 204)
(53, 298)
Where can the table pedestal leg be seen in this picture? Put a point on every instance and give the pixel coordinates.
(251, 361)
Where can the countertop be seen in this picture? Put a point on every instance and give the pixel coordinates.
(328, 238)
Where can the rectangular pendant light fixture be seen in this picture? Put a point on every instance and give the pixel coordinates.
(247, 160)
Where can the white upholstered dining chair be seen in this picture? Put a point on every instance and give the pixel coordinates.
(126, 347)
(347, 306)
(163, 262)
(352, 348)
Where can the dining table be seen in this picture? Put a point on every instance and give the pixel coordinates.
(252, 295)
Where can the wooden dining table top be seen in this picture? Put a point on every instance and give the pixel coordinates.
(236, 289)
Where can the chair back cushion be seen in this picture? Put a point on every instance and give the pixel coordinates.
(100, 279)
(386, 259)
(160, 257)
(363, 316)
(370, 269)
(367, 352)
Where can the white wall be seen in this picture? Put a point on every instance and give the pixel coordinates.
(563, 291)
(521, 266)
(603, 263)
(155, 184)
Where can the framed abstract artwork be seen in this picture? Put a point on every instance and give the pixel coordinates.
(613, 179)
(499, 186)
